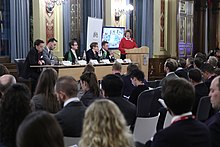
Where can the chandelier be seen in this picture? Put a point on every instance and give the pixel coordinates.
(50, 4)
(125, 9)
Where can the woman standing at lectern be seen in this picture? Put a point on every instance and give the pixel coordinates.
(126, 43)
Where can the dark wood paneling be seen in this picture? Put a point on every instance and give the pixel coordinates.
(156, 70)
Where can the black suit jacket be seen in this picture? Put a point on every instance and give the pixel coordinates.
(209, 81)
(32, 59)
(69, 56)
(107, 56)
(136, 92)
(182, 73)
(200, 91)
(90, 55)
(128, 87)
(214, 127)
(167, 78)
(185, 133)
(88, 97)
(128, 109)
(70, 119)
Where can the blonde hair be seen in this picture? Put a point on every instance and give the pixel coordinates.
(105, 126)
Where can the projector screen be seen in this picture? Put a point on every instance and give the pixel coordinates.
(113, 36)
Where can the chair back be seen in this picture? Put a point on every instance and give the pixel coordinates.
(145, 128)
(70, 141)
(20, 66)
(153, 84)
(204, 108)
(147, 104)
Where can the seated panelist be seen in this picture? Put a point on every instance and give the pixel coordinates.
(93, 52)
(72, 55)
(105, 53)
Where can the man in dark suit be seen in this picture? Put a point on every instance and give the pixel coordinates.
(214, 122)
(170, 67)
(71, 116)
(201, 90)
(72, 55)
(112, 89)
(48, 49)
(92, 53)
(208, 73)
(181, 71)
(34, 57)
(105, 54)
(184, 131)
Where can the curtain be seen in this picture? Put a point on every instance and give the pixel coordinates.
(66, 26)
(20, 29)
(144, 24)
(91, 8)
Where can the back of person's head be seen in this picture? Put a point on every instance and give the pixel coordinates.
(45, 86)
(67, 85)
(3, 70)
(198, 62)
(206, 67)
(116, 66)
(15, 105)
(88, 68)
(138, 74)
(202, 56)
(71, 43)
(39, 129)
(112, 85)
(131, 67)
(189, 61)
(93, 44)
(171, 64)
(105, 126)
(195, 75)
(213, 61)
(178, 95)
(92, 82)
(217, 71)
(51, 40)
(5, 82)
(181, 62)
(38, 42)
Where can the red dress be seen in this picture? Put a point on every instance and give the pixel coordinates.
(126, 44)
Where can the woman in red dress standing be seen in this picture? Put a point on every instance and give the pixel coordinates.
(126, 43)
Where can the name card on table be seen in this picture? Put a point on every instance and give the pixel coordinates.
(127, 60)
(66, 63)
(120, 60)
(93, 62)
(82, 62)
(106, 61)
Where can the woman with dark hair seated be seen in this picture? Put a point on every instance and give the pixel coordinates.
(90, 87)
(39, 129)
(45, 97)
(15, 105)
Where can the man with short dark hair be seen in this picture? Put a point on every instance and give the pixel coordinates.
(105, 54)
(208, 73)
(195, 77)
(184, 131)
(214, 122)
(47, 52)
(72, 55)
(5, 82)
(170, 67)
(181, 70)
(34, 57)
(71, 116)
(112, 89)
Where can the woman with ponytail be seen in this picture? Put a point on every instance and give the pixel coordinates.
(90, 87)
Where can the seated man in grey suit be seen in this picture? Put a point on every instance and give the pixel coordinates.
(170, 67)
(47, 52)
(71, 116)
(184, 130)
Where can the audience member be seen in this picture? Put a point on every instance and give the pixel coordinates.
(208, 73)
(213, 61)
(72, 55)
(112, 89)
(181, 71)
(39, 129)
(15, 105)
(198, 62)
(127, 42)
(128, 87)
(189, 63)
(170, 67)
(105, 126)
(44, 97)
(71, 116)
(195, 77)
(5, 82)
(34, 57)
(88, 68)
(48, 51)
(3, 70)
(184, 131)
(217, 71)
(92, 53)
(137, 78)
(105, 53)
(202, 56)
(116, 68)
(90, 87)
(214, 122)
